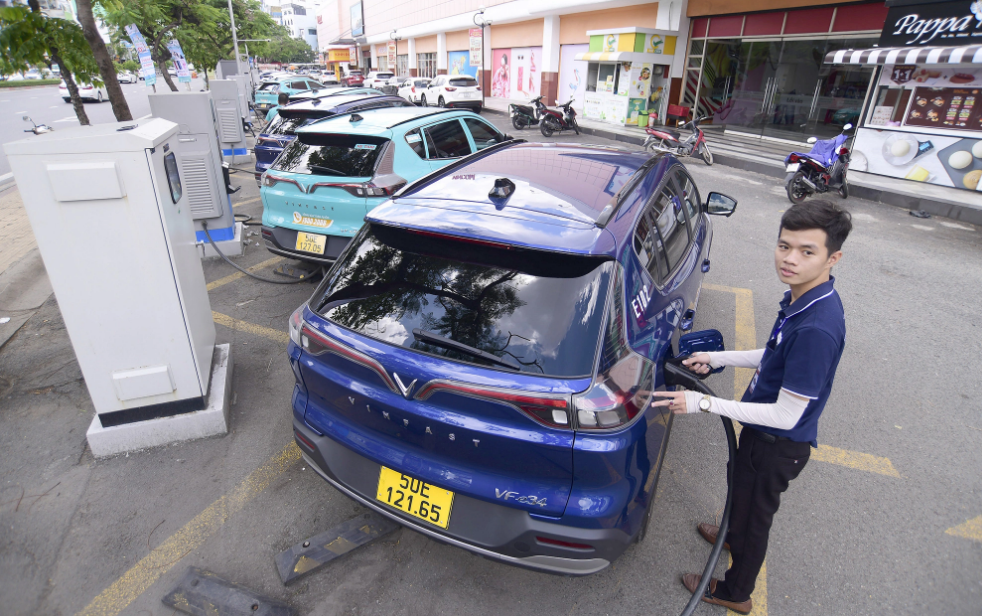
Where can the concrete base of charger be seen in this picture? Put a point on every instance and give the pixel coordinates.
(165, 430)
(229, 248)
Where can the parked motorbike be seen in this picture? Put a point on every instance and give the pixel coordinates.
(523, 116)
(555, 122)
(39, 129)
(669, 140)
(820, 170)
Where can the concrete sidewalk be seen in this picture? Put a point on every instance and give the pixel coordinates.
(767, 156)
(24, 285)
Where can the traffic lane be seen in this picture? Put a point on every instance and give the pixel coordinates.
(904, 389)
(45, 106)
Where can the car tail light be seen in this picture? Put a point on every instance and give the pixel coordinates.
(549, 410)
(381, 186)
(272, 180)
(296, 323)
(624, 384)
(303, 439)
(414, 89)
(564, 544)
(843, 151)
(478, 88)
(466, 240)
(449, 89)
(794, 158)
(316, 343)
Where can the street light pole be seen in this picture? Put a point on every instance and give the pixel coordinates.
(483, 71)
(235, 40)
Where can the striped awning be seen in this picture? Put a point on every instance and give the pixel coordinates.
(623, 56)
(966, 54)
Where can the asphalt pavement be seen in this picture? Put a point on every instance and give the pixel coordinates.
(885, 519)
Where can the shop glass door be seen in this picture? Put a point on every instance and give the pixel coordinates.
(781, 88)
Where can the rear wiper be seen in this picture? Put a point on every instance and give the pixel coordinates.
(328, 169)
(438, 340)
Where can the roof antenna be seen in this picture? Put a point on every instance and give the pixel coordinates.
(503, 188)
(356, 118)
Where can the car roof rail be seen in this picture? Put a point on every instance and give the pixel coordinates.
(620, 196)
(466, 160)
(436, 111)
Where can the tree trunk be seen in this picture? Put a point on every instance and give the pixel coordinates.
(161, 63)
(106, 67)
(66, 74)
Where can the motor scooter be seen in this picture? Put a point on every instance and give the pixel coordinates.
(669, 140)
(523, 116)
(820, 170)
(39, 129)
(555, 122)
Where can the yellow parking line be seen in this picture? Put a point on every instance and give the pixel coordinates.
(246, 202)
(191, 536)
(855, 459)
(252, 328)
(233, 277)
(971, 529)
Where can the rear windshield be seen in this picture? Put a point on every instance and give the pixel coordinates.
(269, 87)
(463, 82)
(384, 75)
(538, 312)
(288, 125)
(335, 155)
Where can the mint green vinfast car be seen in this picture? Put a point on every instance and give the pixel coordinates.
(316, 194)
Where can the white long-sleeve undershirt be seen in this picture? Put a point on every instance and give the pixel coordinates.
(783, 414)
(736, 359)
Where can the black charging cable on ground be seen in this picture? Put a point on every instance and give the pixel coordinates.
(677, 374)
(204, 226)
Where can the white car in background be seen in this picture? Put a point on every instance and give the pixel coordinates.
(86, 91)
(377, 79)
(126, 77)
(414, 88)
(453, 91)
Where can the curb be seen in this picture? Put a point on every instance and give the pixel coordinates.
(946, 209)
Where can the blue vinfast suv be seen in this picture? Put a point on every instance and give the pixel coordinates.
(479, 362)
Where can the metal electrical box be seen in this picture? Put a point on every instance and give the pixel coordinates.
(228, 108)
(109, 207)
(199, 152)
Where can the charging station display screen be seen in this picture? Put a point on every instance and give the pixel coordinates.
(173, 177)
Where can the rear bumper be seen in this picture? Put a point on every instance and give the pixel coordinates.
(496, 532)
(282, 242)
(465, 104)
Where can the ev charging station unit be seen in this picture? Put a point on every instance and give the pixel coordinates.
(230, 109)
(110, 210)
(199, 157)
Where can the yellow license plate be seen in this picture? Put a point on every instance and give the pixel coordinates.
(418, 499)
(311, 242)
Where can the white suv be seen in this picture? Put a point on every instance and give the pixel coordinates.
(377, 79)
(453, 91)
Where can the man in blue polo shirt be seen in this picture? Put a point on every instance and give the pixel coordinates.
(781, 407)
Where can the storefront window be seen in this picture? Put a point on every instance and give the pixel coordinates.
(696, 48)
(426, 63)
(780, 88)
(402, 66)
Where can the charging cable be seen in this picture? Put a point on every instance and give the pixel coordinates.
(676, 374)
(247, 273)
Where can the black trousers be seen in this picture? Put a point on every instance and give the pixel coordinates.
(763, 471)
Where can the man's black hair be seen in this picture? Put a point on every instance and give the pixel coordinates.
(820, 214)
(283, 98)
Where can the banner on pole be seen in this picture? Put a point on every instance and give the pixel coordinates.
(147, 70)
(392, 56)
(180, 62)
(476, 47)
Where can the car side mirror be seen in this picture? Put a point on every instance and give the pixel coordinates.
(811, 140)
(719, 204)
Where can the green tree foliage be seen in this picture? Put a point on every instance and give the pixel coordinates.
(130, 65)
(285, 49)
(29, 38)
